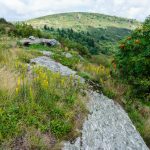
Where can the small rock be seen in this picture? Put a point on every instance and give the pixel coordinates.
(32, 38)
(47, 53)
(68, 55)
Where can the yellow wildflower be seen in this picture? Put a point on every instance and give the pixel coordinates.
(17, 90)
(45, 83)
(62, 81)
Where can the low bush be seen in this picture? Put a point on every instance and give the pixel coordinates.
(133, 63)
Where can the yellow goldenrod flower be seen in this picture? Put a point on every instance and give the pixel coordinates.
(45, 83)
(62, 81)
(19, 81)
(17, 90)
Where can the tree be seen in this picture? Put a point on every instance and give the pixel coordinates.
(133, 60)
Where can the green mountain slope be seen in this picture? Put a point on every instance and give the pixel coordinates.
(104, 30)
(83, 21)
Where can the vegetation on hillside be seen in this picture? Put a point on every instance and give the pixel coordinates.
(39, 107)
(133, 61)
(6, 27)
(97, 32)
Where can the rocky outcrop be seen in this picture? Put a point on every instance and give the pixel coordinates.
(107, 126)
(56, 67)
(33, 40)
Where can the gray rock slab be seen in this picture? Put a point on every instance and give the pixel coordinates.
(53, 66)
(56, 67)
(107, 127)
(33, 40)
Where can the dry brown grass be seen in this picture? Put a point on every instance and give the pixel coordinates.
(8, 80)
(147, 131)
(118, 89)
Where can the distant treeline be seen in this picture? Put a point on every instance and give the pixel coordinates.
(95, 40)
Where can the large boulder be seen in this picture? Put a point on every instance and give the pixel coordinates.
(33, 40)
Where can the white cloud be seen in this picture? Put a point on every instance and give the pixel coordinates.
(24, 9)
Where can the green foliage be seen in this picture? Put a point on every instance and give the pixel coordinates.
(109, 93)
(101, 59)
(96, 32)
(85, 75)
(133, 61)
(24, 30)
(6, 27)
(136, 116)
(72, 44)
(39, 47)
(86, 43)
(79, 41)
(70, 62)
(60, 127)
(9, 122)
(46, 102)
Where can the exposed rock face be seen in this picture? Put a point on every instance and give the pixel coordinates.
(56, 67)
(107, 127)
(33, 40)
(53, 66)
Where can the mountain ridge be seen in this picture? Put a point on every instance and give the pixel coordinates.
(84, 14)
(104, 31)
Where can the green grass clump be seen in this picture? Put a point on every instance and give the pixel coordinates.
(70, 62)
(85, 75)
(39, 47)
(60, 127)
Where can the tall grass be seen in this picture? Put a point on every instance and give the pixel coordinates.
(46, 101)
(37, 107)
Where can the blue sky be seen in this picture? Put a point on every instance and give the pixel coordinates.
(24, 9)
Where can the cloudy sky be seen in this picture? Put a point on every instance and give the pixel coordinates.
(24, 9)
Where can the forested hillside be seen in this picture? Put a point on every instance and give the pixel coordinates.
(96, 32)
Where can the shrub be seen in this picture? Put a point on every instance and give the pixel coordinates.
(24, 30)
(133, 61)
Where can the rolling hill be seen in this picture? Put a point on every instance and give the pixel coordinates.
(104, 31)
(83, 21)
